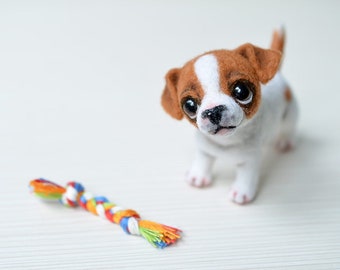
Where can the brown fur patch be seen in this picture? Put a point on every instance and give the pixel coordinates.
(169, 98)
(288, 94)
(265, 62)
(189, 86)
(183, 85)
(234, 68)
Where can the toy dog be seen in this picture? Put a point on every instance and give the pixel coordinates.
(239, 102)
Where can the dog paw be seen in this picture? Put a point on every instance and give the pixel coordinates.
(198, 180)
(241, 194)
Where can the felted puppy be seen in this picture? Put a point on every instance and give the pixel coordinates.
(239, 101)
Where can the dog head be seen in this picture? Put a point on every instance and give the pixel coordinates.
(219, 90)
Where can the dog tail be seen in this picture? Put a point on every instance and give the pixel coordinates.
(278, 40)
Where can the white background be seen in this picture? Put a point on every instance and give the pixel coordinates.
(80, 86)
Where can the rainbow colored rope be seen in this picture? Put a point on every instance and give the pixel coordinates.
(74, 194)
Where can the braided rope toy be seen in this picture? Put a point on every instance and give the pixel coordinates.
(74, 194)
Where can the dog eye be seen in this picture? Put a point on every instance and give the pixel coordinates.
(242, 93)
(190, 107)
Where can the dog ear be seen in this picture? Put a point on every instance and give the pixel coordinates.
(265, 62)
(170, 100)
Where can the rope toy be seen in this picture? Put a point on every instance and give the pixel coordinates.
(74, 194)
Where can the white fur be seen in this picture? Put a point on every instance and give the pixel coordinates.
(206, 69)
(245, 144)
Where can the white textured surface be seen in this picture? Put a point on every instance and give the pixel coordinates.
(80, 86)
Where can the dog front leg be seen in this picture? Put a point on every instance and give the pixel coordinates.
(200, 174)
(245, 185)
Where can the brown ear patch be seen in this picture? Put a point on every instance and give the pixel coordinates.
(265, 62)
(169, 98)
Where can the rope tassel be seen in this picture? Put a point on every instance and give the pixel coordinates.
(74, 194)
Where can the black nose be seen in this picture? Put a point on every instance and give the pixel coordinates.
(214, 114)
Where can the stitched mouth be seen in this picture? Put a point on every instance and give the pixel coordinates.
(219, 128)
